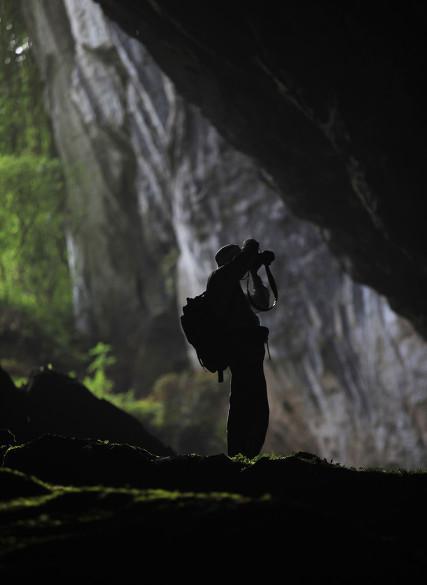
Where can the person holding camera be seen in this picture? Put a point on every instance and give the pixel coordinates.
(244, 340)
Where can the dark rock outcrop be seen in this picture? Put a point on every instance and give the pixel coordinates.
(14, 484)
(66, 461)
(55, 403)
(7, 438)
(330, 100)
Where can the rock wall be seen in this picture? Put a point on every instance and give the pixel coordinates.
(112, 141)
(154, 191)
(330, 100)
(347, 376)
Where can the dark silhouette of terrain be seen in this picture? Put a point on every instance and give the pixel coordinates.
(95, 511)
(124, 515)
(55, 403)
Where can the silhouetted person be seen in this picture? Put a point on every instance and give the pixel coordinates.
(244, 338)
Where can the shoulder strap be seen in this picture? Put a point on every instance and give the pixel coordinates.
(273, 286)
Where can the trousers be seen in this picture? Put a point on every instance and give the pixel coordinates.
(248, 413)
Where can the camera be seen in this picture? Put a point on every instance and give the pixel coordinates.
(263, 258)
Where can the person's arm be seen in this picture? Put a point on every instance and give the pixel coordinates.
(261, 295)
(242, 262)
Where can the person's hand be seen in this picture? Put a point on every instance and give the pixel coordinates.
(251, 244)
(268, 257)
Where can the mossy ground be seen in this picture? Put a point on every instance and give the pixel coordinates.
(298, 518)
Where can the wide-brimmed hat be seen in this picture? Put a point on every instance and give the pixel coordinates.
(226, 254)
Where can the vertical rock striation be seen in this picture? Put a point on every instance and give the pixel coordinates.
(153, 192)
(112, 141)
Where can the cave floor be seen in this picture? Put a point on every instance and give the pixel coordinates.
(298, 518)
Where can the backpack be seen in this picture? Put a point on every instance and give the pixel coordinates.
(203, 331)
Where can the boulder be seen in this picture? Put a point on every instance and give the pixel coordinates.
(58, 404)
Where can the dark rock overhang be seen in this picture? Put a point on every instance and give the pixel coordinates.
(328, 97)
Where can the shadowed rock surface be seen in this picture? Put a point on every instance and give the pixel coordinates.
(14, 484)
(55, 403)
(171, 517)
(330, 100)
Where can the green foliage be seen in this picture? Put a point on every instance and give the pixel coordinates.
(35, 288)
(33, 266)
(149, 412)
(239, 458)
(187, 410)
(24, 125)
(98, 382)
(20, 381)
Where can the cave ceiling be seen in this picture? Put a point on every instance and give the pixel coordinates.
(328, 97)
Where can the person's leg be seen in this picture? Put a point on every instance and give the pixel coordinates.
(236, 422)
(258, 413)
(248, 413)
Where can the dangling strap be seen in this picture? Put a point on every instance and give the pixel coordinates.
(268, 349)
(272, 283)
(273, 286)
